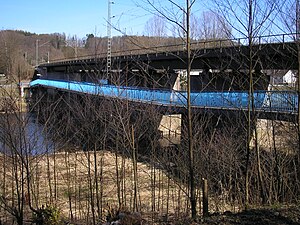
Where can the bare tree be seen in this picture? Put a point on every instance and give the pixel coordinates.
(289, 12)
(213, 26)
(251, 19)
(156, 27)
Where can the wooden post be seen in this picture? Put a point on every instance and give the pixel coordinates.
(205, 197)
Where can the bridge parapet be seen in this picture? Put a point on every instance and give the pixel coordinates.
(178, 50)
(271, 101)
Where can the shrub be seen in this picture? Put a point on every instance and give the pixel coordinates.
(48, 215)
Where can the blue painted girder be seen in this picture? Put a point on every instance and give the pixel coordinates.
(283, 101)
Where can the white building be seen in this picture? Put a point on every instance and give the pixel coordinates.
(283, 77)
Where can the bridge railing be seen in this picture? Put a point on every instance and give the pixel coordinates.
(199, 44)
(209, 44)
(281, 101)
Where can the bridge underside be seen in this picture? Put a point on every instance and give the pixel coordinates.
(91, 114)
(71, 113)
(214, 69)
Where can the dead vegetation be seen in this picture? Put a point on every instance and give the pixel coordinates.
(63, 180)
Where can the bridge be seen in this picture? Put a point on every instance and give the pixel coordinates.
(281, 105)
(272, 52)
(221, 84)
(221, 65)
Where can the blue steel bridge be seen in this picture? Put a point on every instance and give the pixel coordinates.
(281, 104)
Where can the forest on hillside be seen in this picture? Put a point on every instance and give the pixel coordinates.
(20, 51)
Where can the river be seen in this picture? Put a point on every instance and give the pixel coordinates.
(22, 134)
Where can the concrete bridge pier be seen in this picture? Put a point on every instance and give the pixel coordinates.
(212, 130)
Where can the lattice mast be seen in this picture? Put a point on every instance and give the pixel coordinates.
(108, 60)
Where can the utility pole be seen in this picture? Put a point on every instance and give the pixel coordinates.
(37, 52)
(108, 60)
(95, 42)
(6, 59)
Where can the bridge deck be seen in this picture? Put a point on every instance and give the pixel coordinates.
(285, 102)
(281, 55)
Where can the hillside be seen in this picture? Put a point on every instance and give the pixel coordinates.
(20, 51)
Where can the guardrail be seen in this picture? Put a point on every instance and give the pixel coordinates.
(282, 101)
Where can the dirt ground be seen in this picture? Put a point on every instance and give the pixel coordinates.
(284, 215)
(287, 215)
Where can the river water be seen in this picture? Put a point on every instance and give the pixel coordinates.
(20, 133)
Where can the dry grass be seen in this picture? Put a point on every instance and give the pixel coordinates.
(63, 179)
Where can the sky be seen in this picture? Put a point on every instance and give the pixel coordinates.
(72, 17)
(81, 17)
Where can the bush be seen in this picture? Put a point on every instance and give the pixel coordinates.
(122, 216)
(48, 215)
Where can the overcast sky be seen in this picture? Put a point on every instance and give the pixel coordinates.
(74, 17)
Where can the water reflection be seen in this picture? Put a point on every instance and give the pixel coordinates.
(22, 134)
